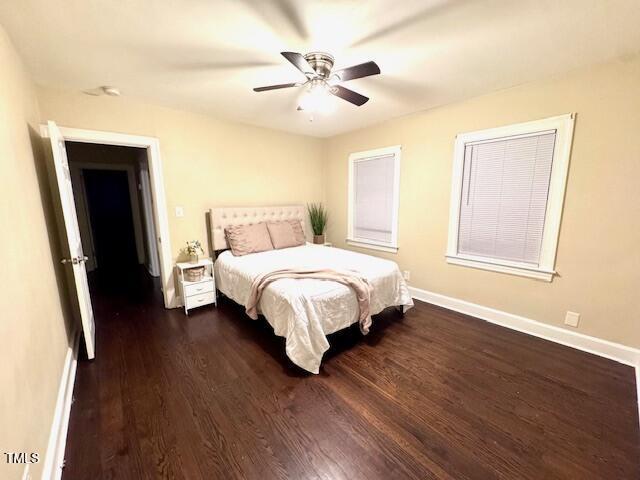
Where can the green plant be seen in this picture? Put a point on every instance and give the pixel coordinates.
(318, 217)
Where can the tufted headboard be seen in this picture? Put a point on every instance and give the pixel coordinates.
(220, 218)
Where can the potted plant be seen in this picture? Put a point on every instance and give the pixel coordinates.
(318, 217)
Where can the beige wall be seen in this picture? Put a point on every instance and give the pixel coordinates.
(206, 162)
(598, 256)
(32, 324)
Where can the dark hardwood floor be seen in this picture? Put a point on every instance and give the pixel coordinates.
(435, 394)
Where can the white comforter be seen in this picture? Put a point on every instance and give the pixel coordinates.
(305, 311)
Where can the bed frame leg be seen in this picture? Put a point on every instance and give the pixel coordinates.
(400, 309)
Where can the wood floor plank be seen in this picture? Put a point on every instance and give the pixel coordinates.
(431, 395)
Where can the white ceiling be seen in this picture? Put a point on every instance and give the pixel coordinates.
(207, 55)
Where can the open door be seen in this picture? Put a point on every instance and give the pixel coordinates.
(76, 258)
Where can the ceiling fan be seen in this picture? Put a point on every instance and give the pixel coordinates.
(321, 81)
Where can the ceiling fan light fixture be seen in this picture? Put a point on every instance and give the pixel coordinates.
(322, 83)
(316, 98)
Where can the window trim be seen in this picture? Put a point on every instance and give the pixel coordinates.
(391, 247)
(545, 270)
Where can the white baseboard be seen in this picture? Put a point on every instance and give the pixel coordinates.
(604, 348)
(638, 387)
(54, 458)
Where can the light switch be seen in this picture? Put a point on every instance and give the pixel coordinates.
(179, 212)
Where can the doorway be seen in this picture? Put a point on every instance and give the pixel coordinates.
(154, 206)
(114, 213)
(74, 256)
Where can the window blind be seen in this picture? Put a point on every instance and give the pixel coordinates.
(504, 197)
(373, 198)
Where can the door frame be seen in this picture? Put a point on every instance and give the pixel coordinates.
(160, 217)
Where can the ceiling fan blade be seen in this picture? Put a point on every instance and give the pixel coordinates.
(299, 62)
(275, 87)
(357, 71)
(349, 95)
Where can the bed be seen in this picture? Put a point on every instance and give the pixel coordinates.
(303, 311)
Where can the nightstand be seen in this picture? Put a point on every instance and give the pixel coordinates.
(201, 292)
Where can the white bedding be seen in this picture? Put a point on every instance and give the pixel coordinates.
(305, 311)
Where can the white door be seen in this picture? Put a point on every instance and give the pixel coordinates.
(76, 258)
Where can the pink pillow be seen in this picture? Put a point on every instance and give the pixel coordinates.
(286, 234)
(244, 239)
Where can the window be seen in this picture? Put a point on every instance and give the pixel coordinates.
(507, 194)
(374, 184)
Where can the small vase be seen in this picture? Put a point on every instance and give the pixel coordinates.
(318, 239)
(193, 258)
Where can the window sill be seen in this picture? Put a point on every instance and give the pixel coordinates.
(372, 246)
(522, 271)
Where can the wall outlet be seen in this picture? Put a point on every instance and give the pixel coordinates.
(406, 274)
(179, 212)
(572, 319)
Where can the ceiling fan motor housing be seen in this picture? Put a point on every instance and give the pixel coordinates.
(321, 62)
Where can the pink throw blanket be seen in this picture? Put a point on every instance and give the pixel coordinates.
(360, 286)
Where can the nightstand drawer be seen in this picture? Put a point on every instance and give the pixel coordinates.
(200, 299)
(198, 288)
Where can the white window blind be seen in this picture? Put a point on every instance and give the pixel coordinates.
(373, 198)
(504, 197)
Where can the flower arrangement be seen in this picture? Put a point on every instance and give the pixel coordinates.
(192, 249)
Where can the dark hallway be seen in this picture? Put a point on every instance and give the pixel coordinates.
(111, 219)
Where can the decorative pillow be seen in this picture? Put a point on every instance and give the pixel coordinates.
(301, 239)
(286, 234)
(244, 239)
